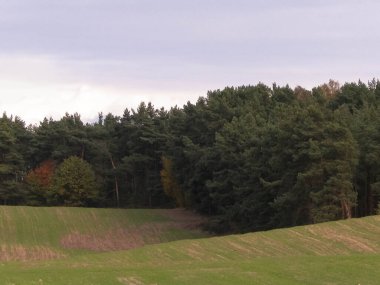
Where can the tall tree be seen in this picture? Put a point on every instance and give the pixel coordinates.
(12, 164)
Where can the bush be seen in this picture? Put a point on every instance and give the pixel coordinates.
(74, 183)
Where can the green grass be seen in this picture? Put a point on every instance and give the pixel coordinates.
(31, 233)
(345, 252)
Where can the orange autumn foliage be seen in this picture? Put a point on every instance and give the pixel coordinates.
(42, 176)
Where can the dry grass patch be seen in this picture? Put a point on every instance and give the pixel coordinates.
(184, 219)
(21, 253)
(132, 281)
(354, 243)
(114, 239)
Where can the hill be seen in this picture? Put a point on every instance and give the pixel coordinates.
(31, 233)
(343, 252)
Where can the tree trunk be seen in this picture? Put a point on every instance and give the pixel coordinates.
(82, 153)
(117, 193)
(369, 196)
(346, 210)
(116, 183)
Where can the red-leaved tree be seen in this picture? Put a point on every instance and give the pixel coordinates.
(39, 181)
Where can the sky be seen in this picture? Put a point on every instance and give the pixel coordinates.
(91, 56)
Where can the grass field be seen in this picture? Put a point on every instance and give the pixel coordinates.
(50, 246)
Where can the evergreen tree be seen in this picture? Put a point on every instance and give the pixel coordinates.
(12, 164)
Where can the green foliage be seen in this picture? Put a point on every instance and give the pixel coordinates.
(143, 138)
(258, 158)
(74, 183)
(253, 157)
(365, 126)
(13, 139)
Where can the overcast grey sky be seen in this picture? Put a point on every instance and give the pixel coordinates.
(89, 56)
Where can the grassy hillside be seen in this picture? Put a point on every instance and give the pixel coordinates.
(29, 233)
(345, 252)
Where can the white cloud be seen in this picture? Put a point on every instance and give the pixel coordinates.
(34, 87)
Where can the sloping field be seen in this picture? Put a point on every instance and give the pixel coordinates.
(30, 233)
(345, 252)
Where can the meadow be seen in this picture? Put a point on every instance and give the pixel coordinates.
(146, 247)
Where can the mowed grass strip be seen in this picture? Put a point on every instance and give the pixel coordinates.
(343, 238)
(343, 252)
(327, 270)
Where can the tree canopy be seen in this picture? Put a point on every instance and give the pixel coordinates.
(251, 157)
(74, 183)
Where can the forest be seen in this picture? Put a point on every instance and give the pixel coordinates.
(251, 158)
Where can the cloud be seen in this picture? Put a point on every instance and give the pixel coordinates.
(34, 87)
(98, 55)
(32, 102)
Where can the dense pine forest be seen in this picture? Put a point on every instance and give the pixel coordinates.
(252, 157)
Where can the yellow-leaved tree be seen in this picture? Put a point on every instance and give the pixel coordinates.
(169, 183)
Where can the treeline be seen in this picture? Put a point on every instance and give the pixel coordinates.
(252, 157)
